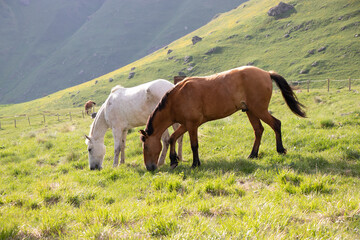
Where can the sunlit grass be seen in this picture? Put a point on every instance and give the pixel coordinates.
(48, 191)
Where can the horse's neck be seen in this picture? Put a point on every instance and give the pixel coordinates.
(99, 126)
(161, 121)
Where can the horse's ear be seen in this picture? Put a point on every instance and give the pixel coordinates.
(87, 137)
(143, 135)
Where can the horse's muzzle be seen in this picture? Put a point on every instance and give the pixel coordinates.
(151, 167)
(95, 167)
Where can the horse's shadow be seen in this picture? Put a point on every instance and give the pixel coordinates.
(302, 164)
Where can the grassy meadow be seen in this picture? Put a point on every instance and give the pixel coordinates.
(48, 192)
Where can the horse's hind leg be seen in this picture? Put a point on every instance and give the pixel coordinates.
(275, 124)
(177, 134)
(258, 130)
(193, 134)
(122, 146)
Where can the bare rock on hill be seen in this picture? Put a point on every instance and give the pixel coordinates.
(188, 59)
(304, 71)
(131, 75)
(213, 50)
(196, 39)
(181, 74)
(321, 49)
(280, 9)
(314, 64)
(312, 51)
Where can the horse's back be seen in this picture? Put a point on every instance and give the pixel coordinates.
(132, 106)
(159, 87)
(222, 94)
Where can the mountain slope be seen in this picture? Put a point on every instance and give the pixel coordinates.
(242, 36)
(50, 45)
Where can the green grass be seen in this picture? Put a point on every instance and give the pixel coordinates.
(48, 191)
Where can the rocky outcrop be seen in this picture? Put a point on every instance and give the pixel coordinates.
(196, 39)
(280, 9)
(213, 50)
(188, 59)
(131, 75)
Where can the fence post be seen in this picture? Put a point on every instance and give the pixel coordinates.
(308, 85)
(349, 84)
(15, 122)
(328, 80)
(58, 117)
(44, 118)
(70, 116)
(82, 114)
(29, 121)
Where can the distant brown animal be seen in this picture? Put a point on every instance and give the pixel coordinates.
(197, 100)
(88, 106)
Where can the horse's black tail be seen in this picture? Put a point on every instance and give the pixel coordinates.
(288, 94)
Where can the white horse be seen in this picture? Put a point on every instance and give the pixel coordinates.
(126, 108)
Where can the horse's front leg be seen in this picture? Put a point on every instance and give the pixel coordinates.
(119, 145)
(165, 139)
(173, 156)
(179, 141)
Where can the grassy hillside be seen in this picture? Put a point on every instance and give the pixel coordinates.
(49, 45)
(246, 35)
(47, 190)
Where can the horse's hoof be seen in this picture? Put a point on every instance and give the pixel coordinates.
(252, 156)
(195, 165)
(173, 166)
(283, 151)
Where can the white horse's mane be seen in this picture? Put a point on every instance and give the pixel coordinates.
(116, 88)
(98, 116)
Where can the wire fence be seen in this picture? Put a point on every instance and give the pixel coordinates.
(308, 85)
(48, 117)
(44, 118)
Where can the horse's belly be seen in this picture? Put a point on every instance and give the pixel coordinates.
(219, 110)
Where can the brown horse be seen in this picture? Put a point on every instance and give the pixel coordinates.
(197, 100)
(88, 106)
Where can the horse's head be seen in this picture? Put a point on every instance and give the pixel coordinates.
(151, 150)
(96, 150)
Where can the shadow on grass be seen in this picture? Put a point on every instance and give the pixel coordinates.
(314, 165)
(296, 162)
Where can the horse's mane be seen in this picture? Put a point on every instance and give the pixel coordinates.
(96, 119)
(161, 105)
(116, 88)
